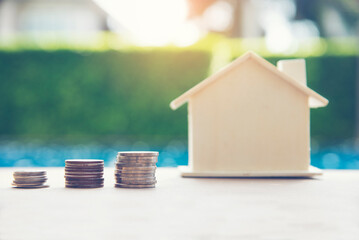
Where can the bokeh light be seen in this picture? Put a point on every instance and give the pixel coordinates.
(152, 23)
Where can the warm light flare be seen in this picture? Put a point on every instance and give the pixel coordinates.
(153, 23)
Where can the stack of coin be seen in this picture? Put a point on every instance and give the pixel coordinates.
(29, 179)
(136, 169)
(84, 173)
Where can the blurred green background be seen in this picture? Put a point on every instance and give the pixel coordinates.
(81, 96)
(87, 78)
(103, 95)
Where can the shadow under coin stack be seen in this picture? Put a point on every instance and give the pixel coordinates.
(136, 169)
(84, 173)
(29, 179)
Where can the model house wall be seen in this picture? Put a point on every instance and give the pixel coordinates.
(251, 119)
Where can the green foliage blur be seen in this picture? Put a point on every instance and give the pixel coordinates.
(109, 95)
(81, 96)
(334, 77)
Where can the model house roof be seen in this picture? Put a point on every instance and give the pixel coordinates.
(315, 100)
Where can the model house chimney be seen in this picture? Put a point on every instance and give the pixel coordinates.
(294, 68)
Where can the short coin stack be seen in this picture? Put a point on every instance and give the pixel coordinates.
(136, 169)
(29, 179)
(84, 173)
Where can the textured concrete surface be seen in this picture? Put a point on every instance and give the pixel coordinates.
(184, 208)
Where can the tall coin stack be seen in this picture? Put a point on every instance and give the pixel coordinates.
(29, 179)
(136, 169)
(84, 173)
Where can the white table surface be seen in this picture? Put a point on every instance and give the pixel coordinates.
(184, 208)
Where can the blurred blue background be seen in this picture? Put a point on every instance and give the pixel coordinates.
(86, 79)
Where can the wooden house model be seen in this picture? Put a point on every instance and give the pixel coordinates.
(251, 119)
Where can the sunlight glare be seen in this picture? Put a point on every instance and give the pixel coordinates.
(152, 23)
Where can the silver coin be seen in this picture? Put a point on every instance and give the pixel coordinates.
(29, 173)
(79, 170)
(84, 186)
(141, 167)
(83, 177)
(29, 182)
(84, 169)
(84, 173)
(137, 178)
(123, 185)
(145, 158)
(120, 165)
(30, 178)
(136, 161)
(83, 183)
(126, 181)
(80, 161)
(135, 174)
(29, 187)
(80, 165)
(133, 171)
(139, 153)
(85, 165)
(136, 183)
(126, 158)
(26, 184)
(137, 168)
